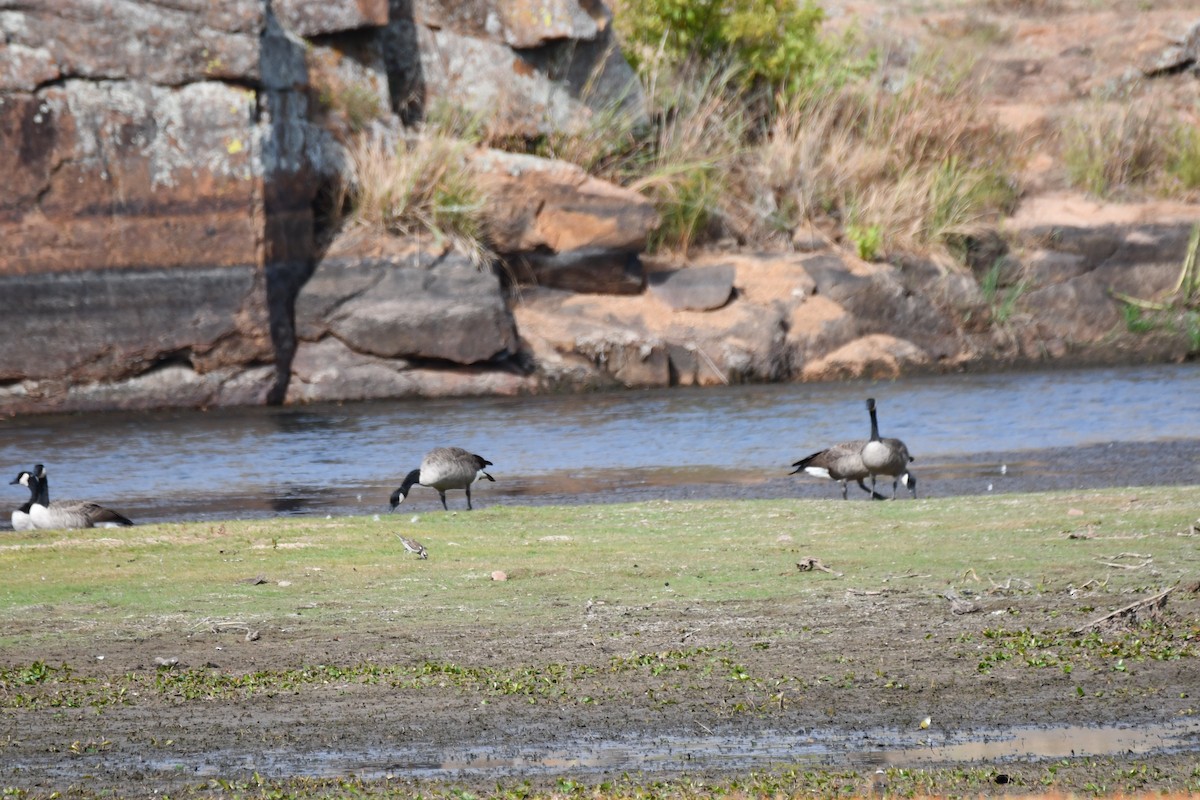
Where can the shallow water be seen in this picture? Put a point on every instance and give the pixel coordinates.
(347, 458)
(660, 754)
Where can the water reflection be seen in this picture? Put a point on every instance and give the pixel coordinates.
(666, 754)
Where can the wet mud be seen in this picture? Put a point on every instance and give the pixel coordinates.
(853, 684)
(1102, 466)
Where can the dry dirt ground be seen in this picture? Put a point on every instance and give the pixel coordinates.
(671, 690)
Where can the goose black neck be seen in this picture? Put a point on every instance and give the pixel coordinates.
(410, 480)
(874, 421)
(401, 493)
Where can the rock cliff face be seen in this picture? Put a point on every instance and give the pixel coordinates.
(166, 167)
(163, 161)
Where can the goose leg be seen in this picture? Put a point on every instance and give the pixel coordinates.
(874, 495)
(895, 481)
(468, 498)
(844, 491)
(443, 496)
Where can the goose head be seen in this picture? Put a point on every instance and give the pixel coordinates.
(24, 478)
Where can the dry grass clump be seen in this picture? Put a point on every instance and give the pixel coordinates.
(913, 168)
(1123, 149)
(891, 162)
(696, 140)
(680, 151)
(355, 104)
(418, 186)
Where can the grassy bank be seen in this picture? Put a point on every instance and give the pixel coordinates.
(661, 617)
(340, 571)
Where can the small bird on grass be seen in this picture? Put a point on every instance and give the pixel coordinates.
(413, 546)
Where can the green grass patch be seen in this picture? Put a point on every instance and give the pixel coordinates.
(336, 571)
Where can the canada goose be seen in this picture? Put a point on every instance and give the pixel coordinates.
(886, 457)
(20, 517)
(842, 463)
(68, 513)
(444, 468)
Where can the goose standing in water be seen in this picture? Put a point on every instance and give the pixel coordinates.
(20, 517)
(886, 457)
(67, 513)
(842, 463)
(444, 468)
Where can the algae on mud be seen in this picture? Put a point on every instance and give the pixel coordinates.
(316, 650)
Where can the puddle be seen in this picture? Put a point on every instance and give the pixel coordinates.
(672, 754)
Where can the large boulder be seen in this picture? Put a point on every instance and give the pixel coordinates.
(1182, 54)
(704, 288)
(640, 341)
(311, 18)
(385, 317)
(573, 346)
(141, 231)
(169, 44)
(538, 203)
(1078, 256)
(875, 294)
(877, 356)
(407, 307)
(328, 369)
(559, 227)
(523, 68)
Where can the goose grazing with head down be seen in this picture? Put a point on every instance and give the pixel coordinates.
(444, 468)
(886, 457)
(68, 513)
(842, 462)
(20, 517)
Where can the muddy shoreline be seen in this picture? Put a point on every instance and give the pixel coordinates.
(1117, 464)
(836, 687)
